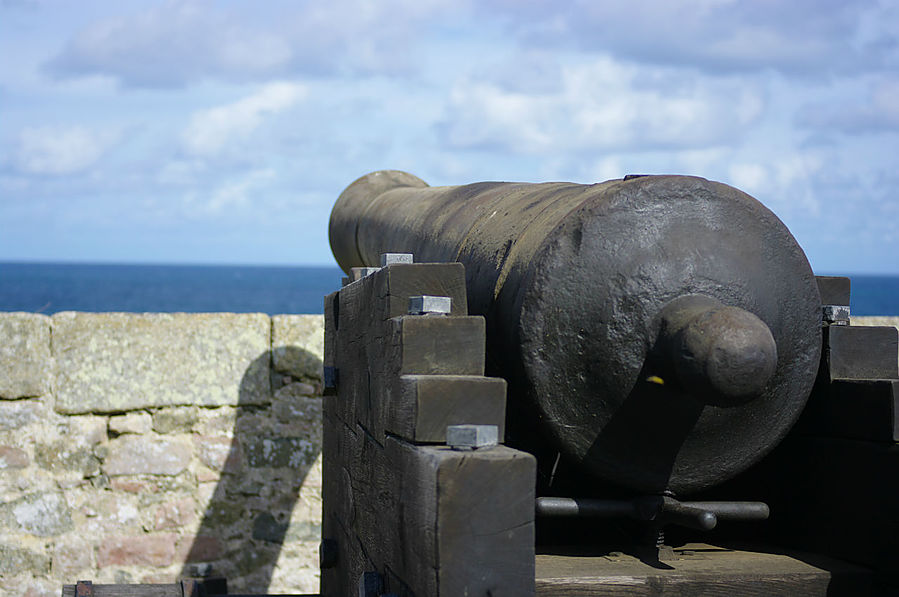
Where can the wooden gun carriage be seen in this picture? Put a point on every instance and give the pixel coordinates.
(689, 441)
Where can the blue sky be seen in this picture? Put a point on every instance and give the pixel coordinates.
(222, 132)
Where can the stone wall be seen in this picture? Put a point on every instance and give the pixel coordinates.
(141, 447)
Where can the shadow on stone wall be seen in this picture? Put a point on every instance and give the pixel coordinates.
(275, 443)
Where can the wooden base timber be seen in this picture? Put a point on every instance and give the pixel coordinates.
(700, 569)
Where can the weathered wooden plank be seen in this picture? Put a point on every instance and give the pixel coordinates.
(861, 352)
(364, 319)
(331, 313)
(840, 500)
(431, 520)
(435, 279)
(855, 409)
(485, 522)
(133, 590)
(422, 406)
(700, 569)
(834, 290)
(412, 344)
(440, 345)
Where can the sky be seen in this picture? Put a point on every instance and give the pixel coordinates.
(223, 132)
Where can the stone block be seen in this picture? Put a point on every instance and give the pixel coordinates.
(86, 430)
(267, 528)
(175, 419)
(302, 414)
(71, 556)
(159, 487)
(220, 513)
(176, 514)
(248, 561)
(304, 530)
(294, 390)
(216, 421)
(138, 550)
(11, 457)
(18, 414)
(25, 363)
(40, 587)
(44, 514)
(130, 423)
(219, 453)
(139, 454)
(290, 580)
(14, 560)
(298, 345)
(294, 452)
(65, 456)
(116, 362)
(199, 548)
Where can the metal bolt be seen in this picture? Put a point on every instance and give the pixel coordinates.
(391, 258)
(836, 314)
(430, 305)
(470, 437)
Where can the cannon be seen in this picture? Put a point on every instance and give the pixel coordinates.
(658, 332)
(529, 385)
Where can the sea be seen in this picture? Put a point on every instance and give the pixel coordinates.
(52, 287)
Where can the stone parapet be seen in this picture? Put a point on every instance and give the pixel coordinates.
(135, 446)
(25, 364)
(118, 362)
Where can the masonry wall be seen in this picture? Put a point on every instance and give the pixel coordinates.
(143, 447)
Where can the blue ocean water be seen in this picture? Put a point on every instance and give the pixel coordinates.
(874, 295)
(49, 288)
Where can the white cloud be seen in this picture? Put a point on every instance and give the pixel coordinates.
(61, 150)
(170, 45)
(178, 43)
(210, 130)
(604, 105)
(798, 37)
(790, 181)
(877, 112)
(229, 197)
(749, 177)
(608, 169)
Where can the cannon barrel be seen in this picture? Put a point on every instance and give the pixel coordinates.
(661, 332)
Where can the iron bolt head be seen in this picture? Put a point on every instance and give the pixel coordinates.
(391, 258)
(430, 305)
(471, 437)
